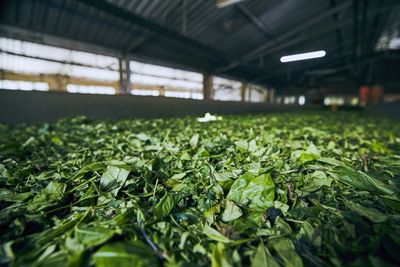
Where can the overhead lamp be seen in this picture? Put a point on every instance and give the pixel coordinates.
(303, 56)
(224, 3)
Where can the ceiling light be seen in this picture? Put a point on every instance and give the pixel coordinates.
(303, 56)
(224, 3)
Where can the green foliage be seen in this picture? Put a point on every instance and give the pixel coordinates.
(164, 207)
(257, 192)
(231, 212)
(263, 258)
(113, 179)
(312, 189)
(124, 254)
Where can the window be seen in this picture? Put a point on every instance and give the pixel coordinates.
(196, 95)
(302, 100)
(26, 57)
(144, 92)
(150, 74)
(256, 93)
(24, 85)
(90, 89)
(289, 100)
(226, 90)
(177, 94)
(333, 100)
(389, 39)
(173, 82)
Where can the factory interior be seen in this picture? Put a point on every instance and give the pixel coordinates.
(199, 133)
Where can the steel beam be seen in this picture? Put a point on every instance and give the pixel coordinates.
(37, 36)
(44, 18)
(338, 30)
(113, 10)
(347, 22)
(190, 43)
(263, 49)
(184, 17)
(355, 37)
(256, 21)
(59, 15)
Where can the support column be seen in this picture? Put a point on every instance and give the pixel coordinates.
(207, 86)
(272, 96)
(265, 94)
(57, 82)
(243, 92)
(124, 75)
(162, 90)
(249, 89)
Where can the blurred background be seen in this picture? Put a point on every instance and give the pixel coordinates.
(137, 58)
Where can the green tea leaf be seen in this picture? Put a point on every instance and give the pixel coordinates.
(92, 236)
(371, 214)
(231, 212)
(215, 235)
(194, 140)
(257, 192)
(113, 179)
(316, 181)
(9, 196)
(53, 192)
(263, 258)
(164, 206)
(312, 188)
(363, 181)
(125, 254)
(219, 257)
(285, 249)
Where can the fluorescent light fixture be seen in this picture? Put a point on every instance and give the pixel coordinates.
(303, 56)
(224, 3)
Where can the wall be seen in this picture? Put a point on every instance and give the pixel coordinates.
(389, 110)
(35, 106)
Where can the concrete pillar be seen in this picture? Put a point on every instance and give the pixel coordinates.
(56, 82)
(207, 86)
(243, 92)
(249, 89)
(265, 94)
(124, 75)
(162, 90)
(272, 96)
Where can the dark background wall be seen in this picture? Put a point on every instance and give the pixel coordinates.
(34, 106)
(389, 110)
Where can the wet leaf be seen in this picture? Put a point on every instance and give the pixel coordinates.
(256, 192)
(113, 179)
(285, 249)
(125, 254)
(215, 235)
(312, 189)
(263, 258)
(164, 207)
(231, 212)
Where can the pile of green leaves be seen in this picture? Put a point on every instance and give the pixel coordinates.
(312, 189)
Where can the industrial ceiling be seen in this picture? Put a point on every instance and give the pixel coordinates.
(243, 40)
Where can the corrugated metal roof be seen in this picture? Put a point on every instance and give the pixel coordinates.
(198, 35)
